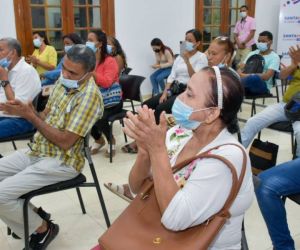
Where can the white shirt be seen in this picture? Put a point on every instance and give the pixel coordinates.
(25, 83)
(207, 188)
(180, 71)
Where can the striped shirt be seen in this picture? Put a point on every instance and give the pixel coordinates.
(75, 111)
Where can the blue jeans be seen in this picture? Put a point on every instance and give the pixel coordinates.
(276, 182)
(11, 126)
(158, 79)
(254, 85)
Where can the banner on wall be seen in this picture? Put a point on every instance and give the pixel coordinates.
(288, 28)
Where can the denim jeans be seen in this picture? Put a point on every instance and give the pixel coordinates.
(11, 126)
(273, 113)
(254, 85)
(158, 79)
(278, 181)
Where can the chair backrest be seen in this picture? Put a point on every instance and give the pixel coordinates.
(130, 85)
(126, 71)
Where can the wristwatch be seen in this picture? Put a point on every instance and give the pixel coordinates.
(4, 83)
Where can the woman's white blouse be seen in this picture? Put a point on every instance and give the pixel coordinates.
(179, 70)
(206, 186)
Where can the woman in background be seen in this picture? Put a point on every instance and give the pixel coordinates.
(44, 57)
(114, 49)
(164, 61)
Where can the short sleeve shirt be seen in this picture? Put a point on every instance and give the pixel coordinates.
(75, 111)
(243, 29)
(49, 55)
(272, 61)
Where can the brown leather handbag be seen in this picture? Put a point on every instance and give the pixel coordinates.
(139, 226)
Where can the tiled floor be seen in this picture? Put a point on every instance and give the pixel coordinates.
(80, 232)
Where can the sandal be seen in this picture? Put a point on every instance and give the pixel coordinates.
(122, 191)
(128, 149)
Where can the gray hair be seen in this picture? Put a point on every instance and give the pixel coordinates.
(82, 54)
(12, 44)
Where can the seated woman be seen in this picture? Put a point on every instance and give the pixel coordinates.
(114, 48)
(106, 76)
(282, 180)
(44, 57)
(185, 65)
(50, 77)
(219, 53)
(206, 118)
(164, 61)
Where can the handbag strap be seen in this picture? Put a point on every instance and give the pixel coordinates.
(236, 183)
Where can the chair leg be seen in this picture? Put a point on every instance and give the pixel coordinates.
(125, 136)
(14, 145)
(258, 135)
(244, 239)
(110, 142)
(80, 200)
(26, 224)
(99, 193)
(8, 231)
(96, 185)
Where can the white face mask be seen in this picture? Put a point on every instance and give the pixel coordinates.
(37, 42)
(243, 14)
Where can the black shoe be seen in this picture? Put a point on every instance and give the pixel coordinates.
(43, 214)
(15, 236)
(40, 241)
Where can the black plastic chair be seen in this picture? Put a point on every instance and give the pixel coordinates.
(77, 182)
(253, 98)
(126, 71)
(130, 85)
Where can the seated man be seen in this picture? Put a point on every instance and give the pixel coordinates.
(19, 80)
(275, 112)
(56, 154)
(261, 83)
(282, 180)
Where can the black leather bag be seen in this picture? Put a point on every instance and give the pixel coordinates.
(177, 88)
(254, 64)
(263, 155)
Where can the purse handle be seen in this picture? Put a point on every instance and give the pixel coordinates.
(236, 183)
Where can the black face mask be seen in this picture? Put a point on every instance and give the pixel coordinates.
(156, 50)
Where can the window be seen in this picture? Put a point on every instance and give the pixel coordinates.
(218, 17)
(59, 17)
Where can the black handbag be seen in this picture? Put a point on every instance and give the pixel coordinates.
(254, 64)
(177, 88)
(263, 155)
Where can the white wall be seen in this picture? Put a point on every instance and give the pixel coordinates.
(267, 18)
(7, 23)
(139, 21)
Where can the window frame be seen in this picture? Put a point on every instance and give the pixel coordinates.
(24, 28)
(225, 13)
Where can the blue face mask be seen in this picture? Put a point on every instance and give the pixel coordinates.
(182, 113)
(37, 42)
(109, 49)
(262, 46)
(189, 46)
(91, 45)
(67, 48)
(4, 62)
(70, 84)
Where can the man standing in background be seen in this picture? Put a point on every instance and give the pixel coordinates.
(244, 32)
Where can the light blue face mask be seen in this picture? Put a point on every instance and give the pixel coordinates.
(4, 62)
(91, 45)
(70, 84)
(189, 46)
(262, 46)
(67, 48)
(37, 42)
(109, 49)
(182, 113)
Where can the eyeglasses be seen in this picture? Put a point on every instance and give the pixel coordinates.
(222, 38)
